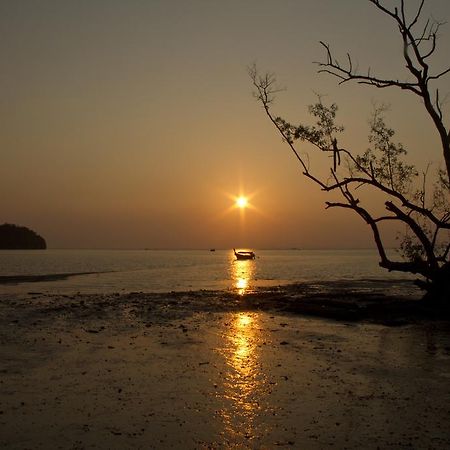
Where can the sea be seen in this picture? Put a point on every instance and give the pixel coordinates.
(124, 271)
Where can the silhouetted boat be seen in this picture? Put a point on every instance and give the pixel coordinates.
(244, 255)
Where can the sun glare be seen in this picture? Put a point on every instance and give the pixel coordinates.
(241, 202)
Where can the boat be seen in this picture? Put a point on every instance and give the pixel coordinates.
(244, 254)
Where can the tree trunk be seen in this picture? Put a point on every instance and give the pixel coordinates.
(437, 288)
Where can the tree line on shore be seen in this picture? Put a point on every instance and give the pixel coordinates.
(15, 237)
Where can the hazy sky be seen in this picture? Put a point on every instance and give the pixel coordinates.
(129, 124)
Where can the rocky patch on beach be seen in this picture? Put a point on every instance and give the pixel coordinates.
(342, 302)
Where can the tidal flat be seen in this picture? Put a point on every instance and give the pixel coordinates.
(215, 370)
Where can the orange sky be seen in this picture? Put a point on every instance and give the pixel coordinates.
(129, 124)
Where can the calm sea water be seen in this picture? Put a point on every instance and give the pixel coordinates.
(164, 271)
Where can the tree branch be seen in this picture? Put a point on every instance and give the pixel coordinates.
(418, 231)
(418, 68)
(335, 69)
(405, 202)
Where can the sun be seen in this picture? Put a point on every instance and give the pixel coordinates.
(241, 202)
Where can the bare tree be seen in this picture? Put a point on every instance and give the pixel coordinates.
(425, 246)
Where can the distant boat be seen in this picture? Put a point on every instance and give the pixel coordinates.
(244, 255)
(212, 249)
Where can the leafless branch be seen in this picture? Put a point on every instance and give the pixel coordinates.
(416, 63)
(438, 105)
(405, 202)
(439, 75)
(416, 18)
(384, 218)
(334, 68)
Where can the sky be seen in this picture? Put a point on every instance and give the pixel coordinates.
(133, 125)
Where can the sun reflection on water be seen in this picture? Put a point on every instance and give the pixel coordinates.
(242, 275)
(244, 382)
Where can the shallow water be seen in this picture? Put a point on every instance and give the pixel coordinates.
(183, 270)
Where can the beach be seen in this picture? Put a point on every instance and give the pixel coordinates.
(216, 232)
(219, 370)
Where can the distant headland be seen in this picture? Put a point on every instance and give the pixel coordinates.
(14, 237)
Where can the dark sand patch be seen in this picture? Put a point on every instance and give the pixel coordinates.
(18, 279)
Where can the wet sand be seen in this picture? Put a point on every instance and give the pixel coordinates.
(215, 370)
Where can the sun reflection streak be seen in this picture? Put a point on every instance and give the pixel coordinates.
(241, 285)
(244, 382)
(242, 274)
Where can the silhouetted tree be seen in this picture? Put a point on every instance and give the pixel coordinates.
(408, 199)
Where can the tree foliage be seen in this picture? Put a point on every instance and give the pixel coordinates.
(424, 212)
